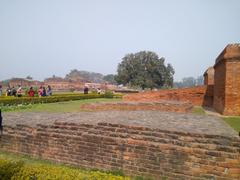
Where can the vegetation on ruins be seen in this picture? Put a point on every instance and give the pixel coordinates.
(110, 78)
(146, 70)
(234, 122)
(84, 76)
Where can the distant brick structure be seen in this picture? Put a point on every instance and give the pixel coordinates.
(221, 88)
(227, 81)
(209, 76)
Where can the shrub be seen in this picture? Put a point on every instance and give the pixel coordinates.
(9, 168)
(49, 99)
(108, 94)
(17, 170)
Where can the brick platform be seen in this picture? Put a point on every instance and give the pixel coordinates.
(199, 95)
(167, 106)
(149, 143)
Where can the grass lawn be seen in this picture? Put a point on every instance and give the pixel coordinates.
(67, 106)
(234, 122)
(198, 110)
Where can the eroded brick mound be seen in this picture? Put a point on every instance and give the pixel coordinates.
(168, 106)
(199, 95)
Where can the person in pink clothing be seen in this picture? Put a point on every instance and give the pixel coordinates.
(40, 91)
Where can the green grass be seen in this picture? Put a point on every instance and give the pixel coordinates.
(26, 167)
(33, 168)
(67, 106)
(234, 122)
(198, 110)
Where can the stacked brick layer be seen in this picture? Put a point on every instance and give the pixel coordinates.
(168, 106)
(135, 150)
(199, 95)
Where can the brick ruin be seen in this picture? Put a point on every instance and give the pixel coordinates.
(134, 149)
(226, 98)
(221, 88)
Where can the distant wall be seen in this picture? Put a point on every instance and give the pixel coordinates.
(199, 95)
(135, 150)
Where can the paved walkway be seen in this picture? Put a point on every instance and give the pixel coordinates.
(153, 119)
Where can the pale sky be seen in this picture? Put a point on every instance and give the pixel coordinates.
(45, 37)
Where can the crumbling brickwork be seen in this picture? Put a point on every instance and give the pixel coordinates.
(135, 150)
(227, 81)
(209, 76)
(199, 95)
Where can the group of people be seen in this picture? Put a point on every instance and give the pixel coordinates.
(42, 91)
(12, 91)
(18, 92)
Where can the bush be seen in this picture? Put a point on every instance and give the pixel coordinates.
(19, 170)
(108, 94)
(48, 99)
(9, 168)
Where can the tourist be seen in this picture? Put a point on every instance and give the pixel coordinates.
(13, 91)
(99, 91)
(8, 91)
(85, 90)
(19, 91)
(31, 92)
(0, 90)
(49, 90)
(44, 93)
(40, 91)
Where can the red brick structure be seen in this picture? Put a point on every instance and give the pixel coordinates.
(221, 90)
(136, 150)
(227, 81)
(199, 95)
(209, 76)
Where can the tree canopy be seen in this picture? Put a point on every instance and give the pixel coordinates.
(146, 70)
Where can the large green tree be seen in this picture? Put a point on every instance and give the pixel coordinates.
(144, 69)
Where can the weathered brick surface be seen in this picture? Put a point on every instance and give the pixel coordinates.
(209, 76)
(168, 106)
(227, 81)
(199, 95)
(134, 149)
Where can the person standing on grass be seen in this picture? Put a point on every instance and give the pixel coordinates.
(8, 91)
(40, 91)
(0, 90)
(31, 92)
(19, 91)
(49, 90)
(13, 91)
(44, 93)
(85, 90)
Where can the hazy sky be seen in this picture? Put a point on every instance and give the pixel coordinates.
(45, 37)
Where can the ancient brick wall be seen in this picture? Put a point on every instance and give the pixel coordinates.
(227, 81)
(167, 106)
(135, 150)
(209, 76)
(199, 95)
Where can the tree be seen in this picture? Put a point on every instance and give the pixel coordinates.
(110, 78)
(29, 77)
(144, 69)
(189, 82)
